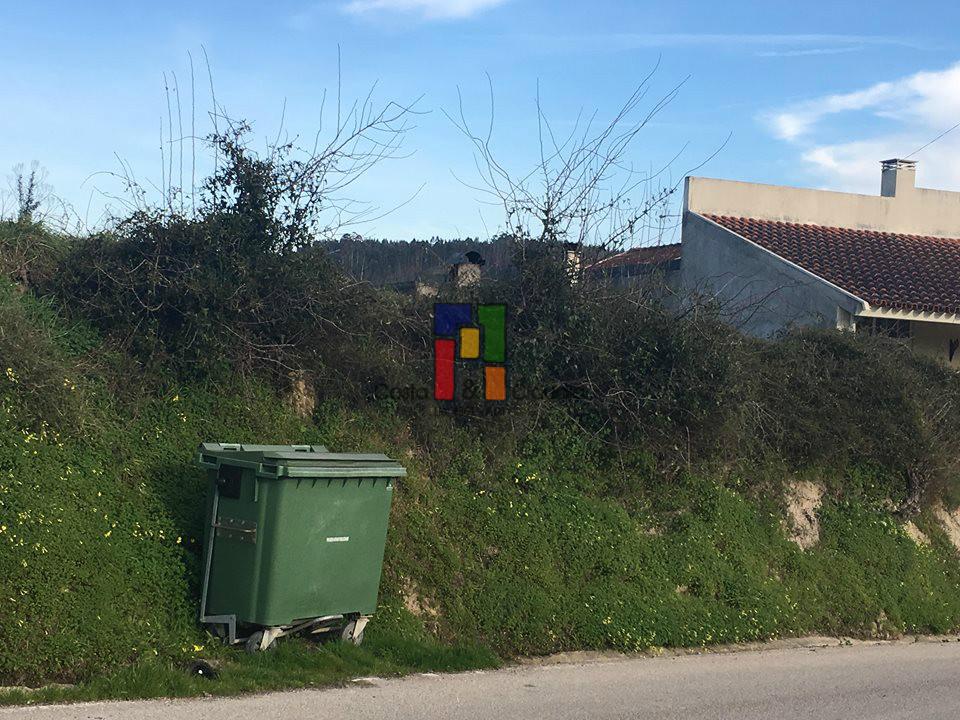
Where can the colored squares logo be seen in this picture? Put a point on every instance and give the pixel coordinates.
(493, 320)
(465, 332)
(444, 354)
(470, 343)
(495, 382)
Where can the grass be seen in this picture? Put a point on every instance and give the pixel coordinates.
(542, 545)
(290, 664)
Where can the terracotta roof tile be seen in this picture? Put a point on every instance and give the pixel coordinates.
(902, 272)
(651, 255)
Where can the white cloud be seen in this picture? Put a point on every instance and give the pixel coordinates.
(797, 40)
(801, 118)
(915, 109)
(428, 9)
(767, 45)
(810, 51)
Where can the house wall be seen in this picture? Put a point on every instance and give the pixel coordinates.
(658, 277)
(915, 211)
(758, 292)
(934, 340)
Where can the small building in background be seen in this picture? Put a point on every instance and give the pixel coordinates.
(462, 271)
(642, 264)
(465, 274)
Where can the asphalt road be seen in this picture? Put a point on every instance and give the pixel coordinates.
(920, 680)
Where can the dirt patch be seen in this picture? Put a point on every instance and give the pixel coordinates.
(915, 533)
(302, 397)
(419, 605)
(951, 524)
(803, 501)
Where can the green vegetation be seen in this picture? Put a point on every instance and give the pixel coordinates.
(293, 664)
(101, 527)
(630, 497)
(543, 548)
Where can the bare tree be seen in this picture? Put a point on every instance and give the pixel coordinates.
(33, 198)
(583, 189)
(29, 186)
(314, 199)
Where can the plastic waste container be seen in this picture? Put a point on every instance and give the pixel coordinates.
(294, 540)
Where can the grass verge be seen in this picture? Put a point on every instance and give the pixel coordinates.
(291, 663)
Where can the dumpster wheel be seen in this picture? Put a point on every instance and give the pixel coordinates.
(262, 639)
(353, 631)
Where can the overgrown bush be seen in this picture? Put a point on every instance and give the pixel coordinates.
(838, 400)
(243, 285)
(39, 360)
(238, 286)
(29, 252)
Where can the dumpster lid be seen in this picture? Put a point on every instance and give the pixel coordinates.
(299, 461)
(235, 448)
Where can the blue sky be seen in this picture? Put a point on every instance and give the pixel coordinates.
(811, 93)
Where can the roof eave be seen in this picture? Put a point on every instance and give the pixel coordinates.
(878, 311)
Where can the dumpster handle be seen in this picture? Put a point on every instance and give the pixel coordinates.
(256, 482)
(209, 558)
(265, 471)
(208, 461)
(229, 620)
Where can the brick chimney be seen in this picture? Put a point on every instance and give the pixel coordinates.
(897, 177)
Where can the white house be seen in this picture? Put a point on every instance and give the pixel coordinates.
(779, 256)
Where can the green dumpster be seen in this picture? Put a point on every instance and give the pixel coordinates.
(295, 540)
